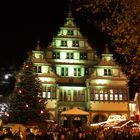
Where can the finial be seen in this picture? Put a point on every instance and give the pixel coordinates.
(38, 45)
(107, 49)
(70, 13)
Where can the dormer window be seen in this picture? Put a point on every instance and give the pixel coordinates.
(69, 32)
(107, 72)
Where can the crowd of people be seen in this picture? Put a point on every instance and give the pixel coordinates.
(82, 133)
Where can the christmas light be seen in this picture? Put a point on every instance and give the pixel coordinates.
(26, 66)
(41, 112)
(27, 105)
(20, 91)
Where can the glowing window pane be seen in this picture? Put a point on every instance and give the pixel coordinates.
(96, 97)
(106, 96)
(111, 96)
(49, 95)
(44, 94)
(116, 97)
(101, 96)
(120, 97)
(111, 90)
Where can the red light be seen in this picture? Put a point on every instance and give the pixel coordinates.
(20, 91)
(41, 111)
(26, 66)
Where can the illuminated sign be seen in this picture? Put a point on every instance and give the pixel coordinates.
(112, 118)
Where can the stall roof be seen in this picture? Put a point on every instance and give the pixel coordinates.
(74, 111)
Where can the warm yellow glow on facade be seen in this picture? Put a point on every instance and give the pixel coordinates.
(44, 69)
(46, 79)
(101, 81)
(71, 88)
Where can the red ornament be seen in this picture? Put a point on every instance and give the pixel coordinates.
(20, 91)
(41, 112)
(26, 66)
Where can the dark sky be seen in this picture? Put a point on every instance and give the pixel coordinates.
(20, 28)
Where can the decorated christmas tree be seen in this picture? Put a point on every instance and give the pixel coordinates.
(26, 104)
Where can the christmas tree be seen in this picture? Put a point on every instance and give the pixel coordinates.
(26, 105)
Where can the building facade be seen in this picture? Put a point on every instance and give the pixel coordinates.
(72, 75)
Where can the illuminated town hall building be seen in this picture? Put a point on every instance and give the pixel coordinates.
(73, 76)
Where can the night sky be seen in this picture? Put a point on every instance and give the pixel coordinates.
(20, 28)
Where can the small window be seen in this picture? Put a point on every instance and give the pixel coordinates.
(107, 72)
(64, 43)
(56, 55)
(69, 55)
(69, 32)
(83, 56)
(75, 43)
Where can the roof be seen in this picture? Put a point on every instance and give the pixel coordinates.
(74, 111)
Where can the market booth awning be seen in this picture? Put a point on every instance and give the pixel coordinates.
(74, 111)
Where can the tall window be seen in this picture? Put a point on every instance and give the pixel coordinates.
(111, 97)
(120, 97)
(106, 96)
(101, 96)
(86, 71)
(60, 95)
(64, 43)
(69, 55)
(107, 72)
(92, 94)
(75, 96)
(37, 69)
(69, 95)
(96, 96)
(116, 97)
(49, 93)
(77, 71)
(64, 71)
(65, 96)
(75, 43)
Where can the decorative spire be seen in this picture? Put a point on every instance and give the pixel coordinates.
(38, 48)
(70, 13)
(106, 50)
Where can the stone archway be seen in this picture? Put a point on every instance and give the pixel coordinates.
(99, 118)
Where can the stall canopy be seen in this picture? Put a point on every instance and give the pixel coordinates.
(74, 111)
